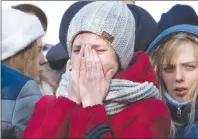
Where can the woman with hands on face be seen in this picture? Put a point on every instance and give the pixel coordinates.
(93, 83)
(108, 91)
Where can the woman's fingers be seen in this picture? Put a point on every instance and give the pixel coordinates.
(83, 69)
(98, 65)
(77, 63)
(88, 60)
(81, 54)
(94, 64)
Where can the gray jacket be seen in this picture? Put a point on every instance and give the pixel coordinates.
(19, 94)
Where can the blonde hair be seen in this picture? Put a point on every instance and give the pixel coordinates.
(165, 51)
(25, 61)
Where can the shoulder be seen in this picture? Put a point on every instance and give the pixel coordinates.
(12, 82)
(151, 103)
(152, 107)
(191, 132)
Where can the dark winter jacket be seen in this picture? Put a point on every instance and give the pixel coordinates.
(181, 115)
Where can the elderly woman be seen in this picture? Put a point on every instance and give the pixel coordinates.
(174, 55)
(108, 91)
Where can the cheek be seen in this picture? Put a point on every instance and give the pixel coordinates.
(191, 79)
(168, 80)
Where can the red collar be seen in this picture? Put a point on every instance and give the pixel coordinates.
(139, 70)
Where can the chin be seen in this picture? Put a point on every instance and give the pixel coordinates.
(178, 99)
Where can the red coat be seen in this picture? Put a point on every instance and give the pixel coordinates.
(61, 118)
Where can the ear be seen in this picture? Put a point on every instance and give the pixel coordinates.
(69, 65)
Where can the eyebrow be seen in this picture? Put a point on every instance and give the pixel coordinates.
(189, 62)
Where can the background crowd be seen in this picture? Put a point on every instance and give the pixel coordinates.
(115, 72)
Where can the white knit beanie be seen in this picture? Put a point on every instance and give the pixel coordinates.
(112, 20)
(18, 31)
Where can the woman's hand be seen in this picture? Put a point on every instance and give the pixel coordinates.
(74, 89)
(94, 85)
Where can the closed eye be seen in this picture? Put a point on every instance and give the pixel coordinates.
(100, 51)
(76, 51)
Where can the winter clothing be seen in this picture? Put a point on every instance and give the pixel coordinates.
(57, 57)
(19, 30)
(112, 20)
(19, 94)
(125, 113)
(180, 113)
(179, 28)
(145, 27)
(66, 19)
(144, 22)
(121, 90)
(146, 118)
(178, 14)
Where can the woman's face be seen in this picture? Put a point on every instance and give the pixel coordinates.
(182, 73)
(105, 52)
(41, 61)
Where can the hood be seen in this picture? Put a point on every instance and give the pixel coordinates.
(179, 28)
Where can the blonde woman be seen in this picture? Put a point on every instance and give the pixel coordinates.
(46, 82)
(19, 92)
(174, 54)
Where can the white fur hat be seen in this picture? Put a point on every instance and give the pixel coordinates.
(18, 31)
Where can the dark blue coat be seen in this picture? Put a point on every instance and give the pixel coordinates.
(184, 131)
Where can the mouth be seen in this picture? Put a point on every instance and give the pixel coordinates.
(180, 91)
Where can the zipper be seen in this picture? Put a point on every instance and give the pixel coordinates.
(179, 112)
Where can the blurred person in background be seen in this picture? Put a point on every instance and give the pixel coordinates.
(47, 83)
(19, 93)
(178, 14)
(22, 43)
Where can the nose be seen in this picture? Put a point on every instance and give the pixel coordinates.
(42, 61)
(179, 76)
